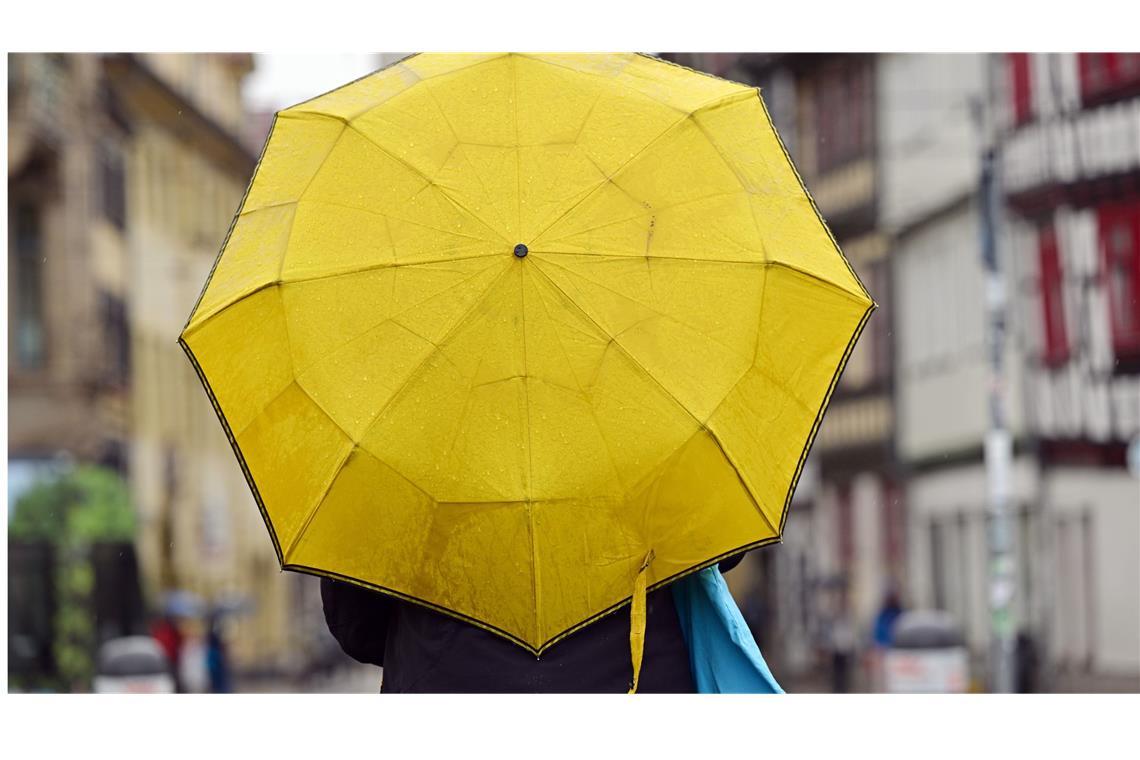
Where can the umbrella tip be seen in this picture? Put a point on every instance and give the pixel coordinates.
(521, 250)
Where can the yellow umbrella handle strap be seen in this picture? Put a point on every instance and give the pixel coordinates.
(637, 620)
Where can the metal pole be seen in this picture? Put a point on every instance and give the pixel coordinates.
(998, 444)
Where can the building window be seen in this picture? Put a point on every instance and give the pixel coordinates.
(843, 114)
(116, 339)
(1120, 246)
(1020, 87)
(1056, 347)
(27, 273)
(112, 189)
(1105, 76)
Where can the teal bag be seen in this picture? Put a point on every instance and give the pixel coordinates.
(722, 652)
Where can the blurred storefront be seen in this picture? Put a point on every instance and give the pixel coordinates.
(124, 173)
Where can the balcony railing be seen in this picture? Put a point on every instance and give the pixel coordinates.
(1073, 148)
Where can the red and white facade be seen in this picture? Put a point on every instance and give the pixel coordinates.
(1070, 127)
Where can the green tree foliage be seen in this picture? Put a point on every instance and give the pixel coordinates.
(81, 507)
(84, 505)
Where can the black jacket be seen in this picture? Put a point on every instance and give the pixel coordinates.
(426, 651)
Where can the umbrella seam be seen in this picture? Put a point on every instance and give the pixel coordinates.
(462, 148)
(394, 64)
(301, 195)
(653, 211)
(811, 199)
(759, 326)
(202, 321)
(415, 170)
(641, 303)
(415, 372)
(631, 160)
(587, 397)
(518, 150)
(379, 267)
(639, 256)
(625, 85)
(364, 211)
(425, 177)
(530, 456)
(622, 348)
(743, 481)
(261, 411)
(392, 319)
(767, 263)
(312, 514)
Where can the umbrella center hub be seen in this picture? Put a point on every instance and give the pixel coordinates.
(521, 250)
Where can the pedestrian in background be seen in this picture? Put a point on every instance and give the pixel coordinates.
(881, 636)
(217, 659)
(165, 631)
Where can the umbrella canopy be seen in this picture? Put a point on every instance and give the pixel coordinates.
(181, 603)
(507, 335)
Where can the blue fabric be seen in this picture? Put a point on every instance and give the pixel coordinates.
(722, 652)
(884, 624)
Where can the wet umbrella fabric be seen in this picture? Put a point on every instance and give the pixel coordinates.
(511, 335)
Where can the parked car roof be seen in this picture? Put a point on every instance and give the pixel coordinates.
(926, 629)
(132, 656)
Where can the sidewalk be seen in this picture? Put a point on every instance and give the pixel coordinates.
(350, 679)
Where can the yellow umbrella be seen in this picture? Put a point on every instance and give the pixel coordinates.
(511, 335)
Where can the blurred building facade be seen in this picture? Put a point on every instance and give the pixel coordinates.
(124, 173)
(1070, 128)
(890, 146)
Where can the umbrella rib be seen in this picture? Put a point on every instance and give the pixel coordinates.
(462, 148)
(277, 283)
(320, 500)
(385, 265)
(859, 298)
(614, 79)
(766, 263)
(418, 173)
(609, 178)
(390, 319)
(661, 314)
(526, 385)
(395, 218)
(582, 391)
(323, 202)
(649, 212)
(634, 158)
(518, 150)
(401, 64)
(614, 341)
(651, 376)
(526, 369)
(641, 256)
(414, 374)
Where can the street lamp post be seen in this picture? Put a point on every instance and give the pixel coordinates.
(998, 442)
